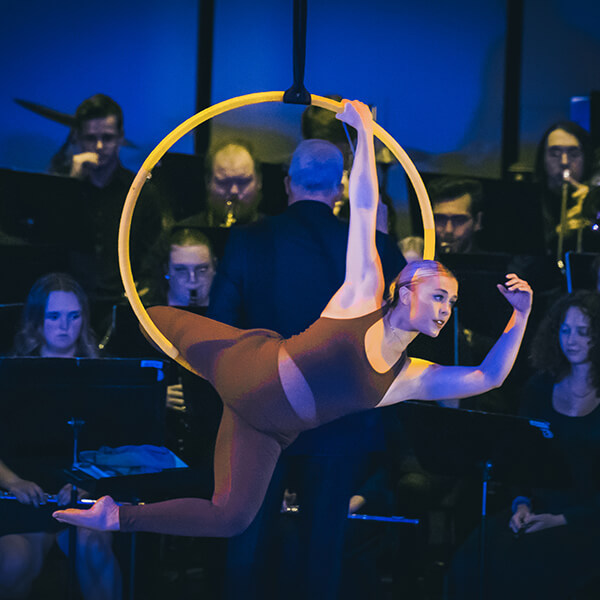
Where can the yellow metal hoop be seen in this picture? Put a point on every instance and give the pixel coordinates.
(144, 174)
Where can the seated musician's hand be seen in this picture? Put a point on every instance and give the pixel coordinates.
(102, 516)
(64, 495)
(518, 293)
(82, 161)
(581, 190)
(542, 521)
(175, 399)
(519, 518)
(27, 492)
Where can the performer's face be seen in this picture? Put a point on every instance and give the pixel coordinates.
(191, 273)
(233, 184)
(103, 137)
(62, 324)
(563, 151)
(431, 303)
(574, 336)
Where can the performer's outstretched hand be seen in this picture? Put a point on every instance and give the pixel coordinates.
(355, 113)
(518, 293)
(103, 516)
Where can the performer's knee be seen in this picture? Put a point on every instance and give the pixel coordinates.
(236, 522)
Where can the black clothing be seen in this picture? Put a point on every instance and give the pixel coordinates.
(579, 438)
(279, 273)
(95, 260)
(554, 562)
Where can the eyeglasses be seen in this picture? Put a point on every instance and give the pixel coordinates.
(572, 152)
(192, 273)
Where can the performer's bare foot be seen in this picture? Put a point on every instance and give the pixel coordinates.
(102, 516)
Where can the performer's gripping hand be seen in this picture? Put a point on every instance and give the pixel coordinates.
(518, 293)
(355, 113)
(103, 516)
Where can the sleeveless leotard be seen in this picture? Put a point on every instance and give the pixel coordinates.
(258, 420)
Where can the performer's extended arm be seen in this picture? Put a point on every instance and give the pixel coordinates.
(423, 380)
(363, 286)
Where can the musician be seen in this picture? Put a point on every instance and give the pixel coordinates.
(183, 269)
(92, 155)
(55, 324)
(234, 186)
(564, 160)
(457, 210)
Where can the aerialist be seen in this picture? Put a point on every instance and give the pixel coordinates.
(352, 358)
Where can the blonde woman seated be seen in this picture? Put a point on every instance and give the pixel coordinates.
(55, 324)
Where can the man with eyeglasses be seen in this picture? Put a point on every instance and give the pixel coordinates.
(564, 159)
(457, 213)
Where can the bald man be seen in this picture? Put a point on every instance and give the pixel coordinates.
(233, 186)
(279, 273)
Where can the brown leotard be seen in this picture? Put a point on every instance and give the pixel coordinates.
(258, 420)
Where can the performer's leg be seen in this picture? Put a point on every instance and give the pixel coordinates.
(244, 462)
(186, 330)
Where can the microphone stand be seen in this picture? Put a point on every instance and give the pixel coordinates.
(563, 220)
(76, 425)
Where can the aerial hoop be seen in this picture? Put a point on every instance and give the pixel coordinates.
(213, 111)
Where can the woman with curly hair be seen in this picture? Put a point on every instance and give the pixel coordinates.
(547, 547)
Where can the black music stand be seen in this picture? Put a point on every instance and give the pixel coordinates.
(41, 208)
(151, 487)
(122, 401)
(579, 271)
(484, 446)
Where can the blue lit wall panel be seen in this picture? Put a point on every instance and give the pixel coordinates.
(433, 69)
(142, 53)
(561, 58)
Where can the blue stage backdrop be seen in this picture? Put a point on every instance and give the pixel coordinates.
(140, 52)
(434, 70)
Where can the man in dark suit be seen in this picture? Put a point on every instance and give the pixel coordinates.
(279, 274)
